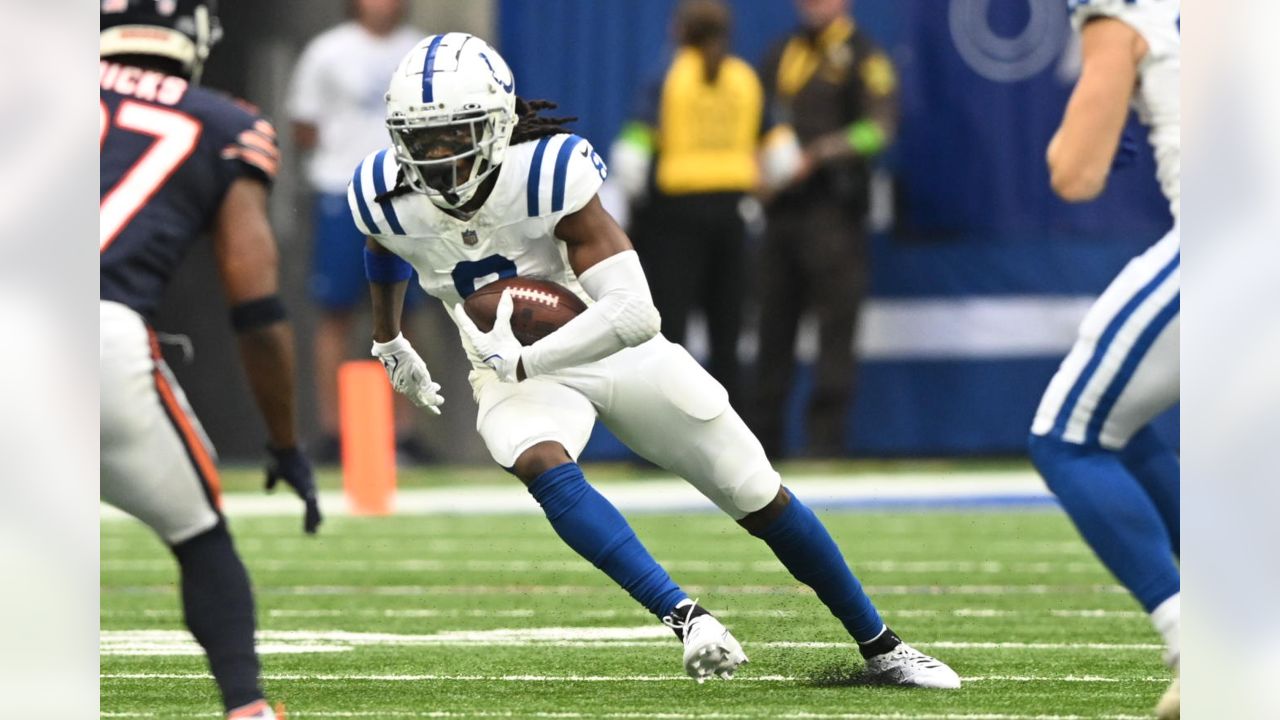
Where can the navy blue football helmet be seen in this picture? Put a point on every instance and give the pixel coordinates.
(181, 30)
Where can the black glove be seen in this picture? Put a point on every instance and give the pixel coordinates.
(290, 465)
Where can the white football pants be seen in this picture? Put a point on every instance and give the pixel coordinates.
(156, 462)
(656, 399)
(1123, 369)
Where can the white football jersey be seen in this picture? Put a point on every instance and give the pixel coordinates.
(1157, 98)
(513, 233)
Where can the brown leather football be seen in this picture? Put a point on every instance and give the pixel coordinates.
(539, 307)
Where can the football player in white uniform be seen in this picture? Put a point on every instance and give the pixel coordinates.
(1090, 438)
(477, 186)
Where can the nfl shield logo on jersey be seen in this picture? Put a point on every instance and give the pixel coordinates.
(470, 237)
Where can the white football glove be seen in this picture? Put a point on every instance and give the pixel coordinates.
(408, 373)
(497, 348)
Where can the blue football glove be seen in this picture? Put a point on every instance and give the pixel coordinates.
(290, 465)
(1126, 152)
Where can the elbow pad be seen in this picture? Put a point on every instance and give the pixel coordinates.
(622, 293)
(636, 321)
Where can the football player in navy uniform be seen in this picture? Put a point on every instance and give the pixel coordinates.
(477, 186)
(178, 160)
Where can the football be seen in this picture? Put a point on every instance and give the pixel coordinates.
(539, 307)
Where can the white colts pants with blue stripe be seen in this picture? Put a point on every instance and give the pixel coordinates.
(1123, 369)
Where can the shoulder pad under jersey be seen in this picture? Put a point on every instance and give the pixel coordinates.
(563, 172)
(374, 176)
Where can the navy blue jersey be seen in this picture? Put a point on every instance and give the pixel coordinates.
(169, 151)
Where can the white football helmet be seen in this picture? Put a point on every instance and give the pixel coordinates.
(451, 101)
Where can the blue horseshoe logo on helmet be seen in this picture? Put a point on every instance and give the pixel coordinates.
(507, 86)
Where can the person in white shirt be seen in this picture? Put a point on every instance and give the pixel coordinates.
(337, 111)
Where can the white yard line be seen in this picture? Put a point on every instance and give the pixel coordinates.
(674, 495)
(411, 613)
(579, 566)
(693, 589)
(322, 677)
(178, 642)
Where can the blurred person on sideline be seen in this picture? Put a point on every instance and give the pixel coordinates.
(701, 123)
(336, 108)
(178, 160)
(832, 108)
(1091, 438)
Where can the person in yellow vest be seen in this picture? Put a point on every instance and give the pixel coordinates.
(701, 130)
(832, 109)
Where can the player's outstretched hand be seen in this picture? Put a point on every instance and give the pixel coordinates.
(408, 373)
(498, 348)
(290, 465)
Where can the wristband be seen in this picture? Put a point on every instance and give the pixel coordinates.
(257, 313)
(866, 137)
(385, 268)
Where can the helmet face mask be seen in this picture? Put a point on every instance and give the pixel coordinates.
(446, 160)
(450, 113)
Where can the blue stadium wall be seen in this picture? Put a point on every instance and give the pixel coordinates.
(975, 227)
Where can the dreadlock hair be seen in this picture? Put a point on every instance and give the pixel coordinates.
(530, 126)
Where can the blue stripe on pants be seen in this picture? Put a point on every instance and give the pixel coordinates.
(1104, 344)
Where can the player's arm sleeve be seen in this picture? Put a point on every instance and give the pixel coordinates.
(253, 152)
(622, 316)
(1157, 21)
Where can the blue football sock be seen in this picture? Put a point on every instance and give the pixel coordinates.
(594, 528)
(1114, 514)
(806, 549)
(1156, 467)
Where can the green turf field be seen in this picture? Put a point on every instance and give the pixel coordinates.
(491, 616)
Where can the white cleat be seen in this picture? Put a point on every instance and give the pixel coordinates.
(904, 665)
(710, 650)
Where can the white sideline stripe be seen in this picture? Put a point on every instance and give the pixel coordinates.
(658, 715)
(662, 495)
(178, 642)
(599, 678)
